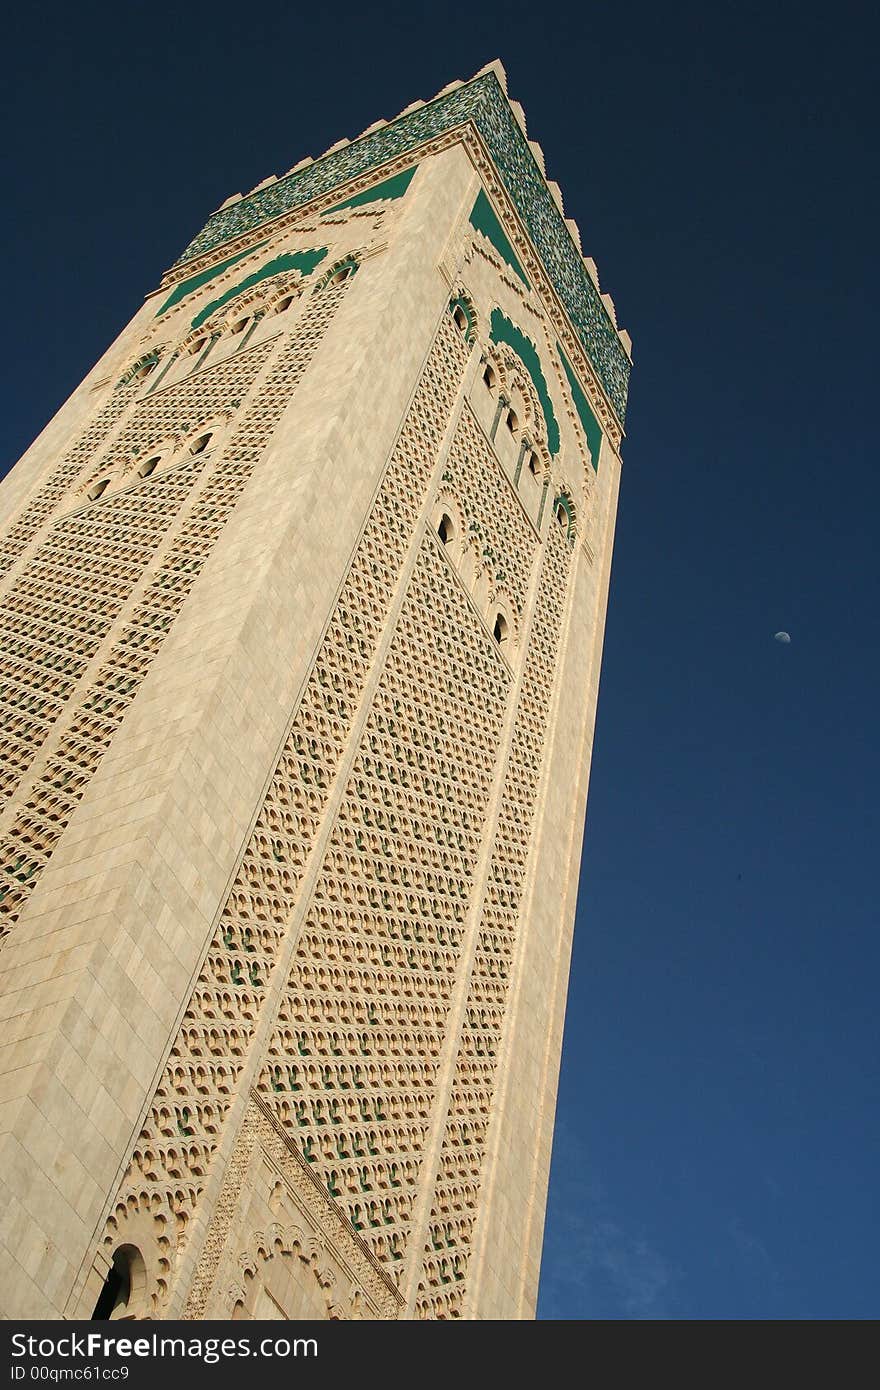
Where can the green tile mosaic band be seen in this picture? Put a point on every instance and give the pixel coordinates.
(483, 103)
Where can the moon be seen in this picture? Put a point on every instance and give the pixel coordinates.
(782, 637)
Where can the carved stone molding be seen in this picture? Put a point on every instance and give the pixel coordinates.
(482, 104)
(314, 1229)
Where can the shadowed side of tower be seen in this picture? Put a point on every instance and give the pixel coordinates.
(303, 594)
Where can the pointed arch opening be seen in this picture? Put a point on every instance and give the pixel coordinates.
(124, 1282)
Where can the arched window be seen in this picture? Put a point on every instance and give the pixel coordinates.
(283, 304)
(98, 489)
(143, 367)
(196, 347)
(534, 466)
(149, 466)
(463, 316)
(512, 421)
(126, 1274)
(490, 378)
(337, 274)
(200, 445)
(500, 629)
(240, 325)
(446, 529)
(564, 514)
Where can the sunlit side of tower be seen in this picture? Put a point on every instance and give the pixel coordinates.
(303, 594)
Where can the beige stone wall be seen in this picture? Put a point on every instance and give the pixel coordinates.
(509, 1240)
(212, 936)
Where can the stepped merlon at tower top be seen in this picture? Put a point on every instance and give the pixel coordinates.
(480, 113)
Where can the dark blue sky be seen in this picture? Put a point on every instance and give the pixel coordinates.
(718, 1136)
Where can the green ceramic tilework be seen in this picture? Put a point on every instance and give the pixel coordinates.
(304, 261)
(592, 428)
(484, 220)
(501, 330)
(483, 103)
(384, 192)
(459, 303)
(195, 282)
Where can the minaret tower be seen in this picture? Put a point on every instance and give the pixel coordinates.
(303, 595)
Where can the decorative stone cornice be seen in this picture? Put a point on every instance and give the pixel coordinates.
(483, 104)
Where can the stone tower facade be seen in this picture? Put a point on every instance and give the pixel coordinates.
(303, 595)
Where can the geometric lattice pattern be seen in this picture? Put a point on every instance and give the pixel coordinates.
(443, 1281)
(172, 1155)
(352, 1065)
(138, 517)
(494, 520)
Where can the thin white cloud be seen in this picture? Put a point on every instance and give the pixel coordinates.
(593, 1266)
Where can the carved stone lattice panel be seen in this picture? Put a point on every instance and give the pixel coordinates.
(173, 413)
(496, 527)
(64, 602)
(61, 606)
(443, 1282)
(271, 1211)
(46, 497)
(352, 1065)
(29, 841)
(180, 1134)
